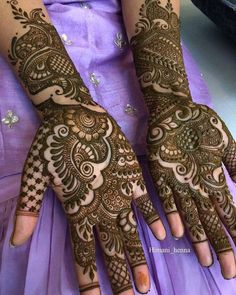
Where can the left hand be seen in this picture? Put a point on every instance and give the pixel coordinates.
(81, 152)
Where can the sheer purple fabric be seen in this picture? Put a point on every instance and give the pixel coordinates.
(44, 265)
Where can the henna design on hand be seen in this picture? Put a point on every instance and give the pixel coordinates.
(42, 59)
(82, 153)
(158, 55)
(186, 142)
(87, 160)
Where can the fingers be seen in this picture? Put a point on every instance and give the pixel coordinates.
(189, 213)
(168, 203)
(228, 264)
(113, 249)
(83, 245)
(146, 208)
(167, 199)
(229, 160)
(225, 207)
(33, 186)
(23, 228)
(217, 236)
(134, 250)
(33, 182)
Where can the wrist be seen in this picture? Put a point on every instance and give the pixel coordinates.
(158, 55)
(51, 108)
(162, 105)
(42, 62)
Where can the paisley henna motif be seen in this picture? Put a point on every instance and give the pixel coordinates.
(82, 153)
(42, 59)
(95, 174)
(186, 142)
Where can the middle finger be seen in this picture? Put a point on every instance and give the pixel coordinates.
(134, 250)
(196, 232)
(216, 235)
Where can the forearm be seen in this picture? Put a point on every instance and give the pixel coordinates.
(153, 28)
(32, 45)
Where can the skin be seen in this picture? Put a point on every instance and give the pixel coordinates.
(78, 150)
(170, 186)
(25, 225)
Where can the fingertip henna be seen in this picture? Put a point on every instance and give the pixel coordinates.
(145, 206)
(185, 141)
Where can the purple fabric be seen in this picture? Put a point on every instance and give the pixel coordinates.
(44, 265)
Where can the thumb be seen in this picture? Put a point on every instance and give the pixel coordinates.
(229, 160)
(23, 229)
(33, 186)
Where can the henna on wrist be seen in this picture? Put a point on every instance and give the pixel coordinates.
(42, 60)
(81, 152)
(186, 142)
(158, 55)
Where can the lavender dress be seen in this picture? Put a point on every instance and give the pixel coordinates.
(94, 36)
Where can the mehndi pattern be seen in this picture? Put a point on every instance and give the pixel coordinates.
(81, 152)
(186, 142)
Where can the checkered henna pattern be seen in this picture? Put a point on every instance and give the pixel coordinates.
(34, 183)
(81, 152)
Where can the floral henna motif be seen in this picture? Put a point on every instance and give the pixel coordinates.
(82, 153)
(158, 55)
(42, 59)
(86, 159)
(186, 142)
(187, 149)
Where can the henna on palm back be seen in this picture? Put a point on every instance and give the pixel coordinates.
(81, 152)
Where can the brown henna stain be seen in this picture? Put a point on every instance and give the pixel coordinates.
(142, 278)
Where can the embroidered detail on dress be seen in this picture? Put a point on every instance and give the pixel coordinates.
(65, 40)
(85, 5)
(94, 80)
(130, 110)
(119, 41)
(10, 119)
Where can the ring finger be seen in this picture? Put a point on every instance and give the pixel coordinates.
(188, 210)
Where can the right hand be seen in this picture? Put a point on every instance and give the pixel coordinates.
(187, 144)
(83, 155)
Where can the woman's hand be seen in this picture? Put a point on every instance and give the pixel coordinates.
(187, 145)
(81, 152)
(187, 142)
(83, 155)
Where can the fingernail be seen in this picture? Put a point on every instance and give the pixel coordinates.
(212, 257)
(144, 293)
(160, 238)
(211, 263)
(11, 245)
(230, 278)
(177, 238)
